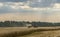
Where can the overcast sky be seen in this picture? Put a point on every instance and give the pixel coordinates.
(30, 10)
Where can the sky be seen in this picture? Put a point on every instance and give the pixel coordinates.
(30, 10)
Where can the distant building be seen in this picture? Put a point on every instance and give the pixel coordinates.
(29, 25)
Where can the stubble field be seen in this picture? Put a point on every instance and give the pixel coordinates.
(29, 32)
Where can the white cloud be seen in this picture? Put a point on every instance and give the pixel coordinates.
(18, 5)
(29, 13)
(1, 4)
(57, 5)
(25, 7)
(39, 0)
(14, 7)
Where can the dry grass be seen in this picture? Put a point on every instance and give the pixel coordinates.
(25, 32)
(44, 34)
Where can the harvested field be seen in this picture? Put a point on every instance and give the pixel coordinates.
(29, 32)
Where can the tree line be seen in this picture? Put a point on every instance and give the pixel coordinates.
(23, 24)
